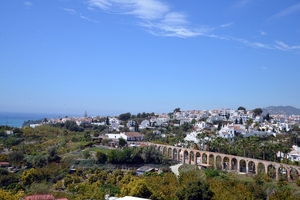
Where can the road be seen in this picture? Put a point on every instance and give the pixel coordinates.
(175, 168)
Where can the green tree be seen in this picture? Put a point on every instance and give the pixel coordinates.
(219, 126)
(100, 157)
(267, 117)
(107, 121)
(53, 155)
(125, 116)
(241, 121)
(87, 136)
(122, 142)
(242, 108)
(193, 121)
(249, 122)
(151, 155)
(195, 190)
(176, 110)
(257, 111)
(136, 187)
(40, 161)
(136, 127)
(71, 125)
(16, 158)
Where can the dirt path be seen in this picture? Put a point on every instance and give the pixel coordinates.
(174, 168)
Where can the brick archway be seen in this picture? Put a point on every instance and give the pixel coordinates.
(229, 162)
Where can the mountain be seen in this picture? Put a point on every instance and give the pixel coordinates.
(287, 110)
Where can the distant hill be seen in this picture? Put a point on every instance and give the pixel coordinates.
(287, 110)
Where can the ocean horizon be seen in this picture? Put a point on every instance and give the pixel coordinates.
(13, 119)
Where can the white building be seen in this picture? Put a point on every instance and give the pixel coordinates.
(116, 136)
(294, 154)
(192, 137)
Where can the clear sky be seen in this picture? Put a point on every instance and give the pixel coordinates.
(108, 57)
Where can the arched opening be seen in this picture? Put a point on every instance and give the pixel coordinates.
(271, 171)
(261, 168)
(234, 164)
(243, 166)
(251, 168)
(192, 157)
(211, 160)
(175, 156)
(219, 162)
(204, 158)
(170, 153)
(180, 156)
(185, 159)
(159, 148)
(198, 158)
(282, 173)
(294, 174)
(165, 151)
(226, 163)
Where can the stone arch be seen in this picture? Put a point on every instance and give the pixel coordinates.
(170, 153)
(211, 160)
(294, 174)
(225, 163)
(180, 155)
(185, 156)
(242, 165)
(160, 148)
(191, 157)
(175, 155)
(261, 169)
(282, 173)
(219, 162)
(251, 167)
(198, 158)
(271, 171)
(165, 150)
(204, 158)
(234, 164)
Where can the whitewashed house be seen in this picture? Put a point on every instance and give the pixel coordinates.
(294, 154)
(192, 137)
(144, 124)
(230, 130)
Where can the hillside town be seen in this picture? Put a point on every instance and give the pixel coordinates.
(138, 156)
(224, 123)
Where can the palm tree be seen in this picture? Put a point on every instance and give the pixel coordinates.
(285, 151)
(263, 149)
(201, 138)
(280, 146)
(253, 145)
(256, 125)
(274, 148)
(248, 123)
(243, 145)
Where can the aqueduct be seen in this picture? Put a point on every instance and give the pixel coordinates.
(230, 162)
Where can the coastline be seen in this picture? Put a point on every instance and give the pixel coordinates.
(17, 119)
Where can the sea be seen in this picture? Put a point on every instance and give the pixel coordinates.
(17, 119)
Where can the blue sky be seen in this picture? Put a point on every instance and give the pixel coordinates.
(108, 57)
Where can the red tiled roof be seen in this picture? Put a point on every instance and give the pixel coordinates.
(40, 197)
(135, 134)
(4, 163)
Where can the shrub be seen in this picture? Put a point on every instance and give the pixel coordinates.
(298, 182)
(266, 178)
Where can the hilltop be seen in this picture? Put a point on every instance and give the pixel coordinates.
(287, 110)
